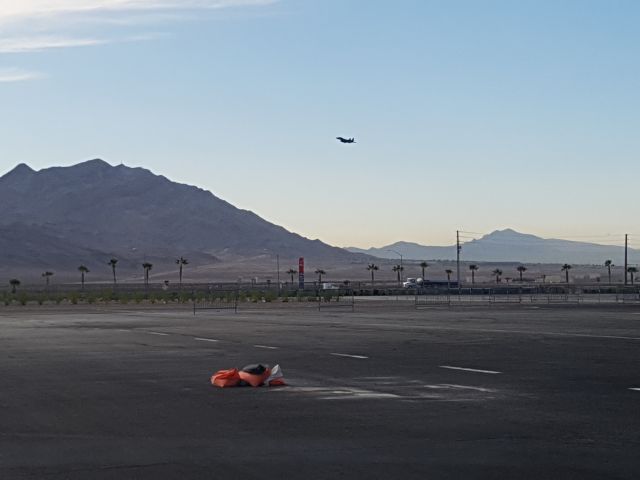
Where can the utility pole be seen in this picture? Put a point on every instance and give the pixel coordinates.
(626, 248)
(458, 248)
(278, 266)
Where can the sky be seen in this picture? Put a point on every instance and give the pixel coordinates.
(470, 115)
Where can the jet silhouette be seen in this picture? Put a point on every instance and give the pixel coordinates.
(346, 140)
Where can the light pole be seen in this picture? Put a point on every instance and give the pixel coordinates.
(398, 253)
(278, 267)
(458, 248)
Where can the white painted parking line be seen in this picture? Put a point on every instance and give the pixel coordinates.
(157, 333)
(200, 339)
(637, 389)
(467, 387)
(361, 357)
(492, 372)
(266, 346)
(496, 330)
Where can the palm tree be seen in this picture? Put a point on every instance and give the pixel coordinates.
(320, 272)
(448, 272)
(147, 266)
(14, 282)
(372, 267)
(609, 264)
(113, 263)
(497, 273)
(423, 266)
(398, 269)
(521, 269)
(474, 269)
(46, 276)
(565, 268)
(181, 261)
(82, 270)
(632, 271)
(292, 272)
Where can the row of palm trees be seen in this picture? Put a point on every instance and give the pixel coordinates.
(372, 268)
(398, 269)
(565, 268)
(146, 266)
(319, 272)
(497, 273)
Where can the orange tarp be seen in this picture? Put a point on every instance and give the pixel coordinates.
(226, 378)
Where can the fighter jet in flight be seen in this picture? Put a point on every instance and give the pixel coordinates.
(346, 140)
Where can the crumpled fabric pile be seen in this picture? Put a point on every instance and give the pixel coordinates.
(257, 375)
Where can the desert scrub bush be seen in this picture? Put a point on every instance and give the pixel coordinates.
(73, 298)
(23, 298)
(184, 298)
(107, 296)
(256, 297)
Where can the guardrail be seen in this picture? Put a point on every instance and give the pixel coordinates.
(339, 298)
(551, 295)
(220, 300)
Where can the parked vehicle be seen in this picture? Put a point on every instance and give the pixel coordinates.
(410, 283)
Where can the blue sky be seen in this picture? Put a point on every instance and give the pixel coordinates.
(468, 114)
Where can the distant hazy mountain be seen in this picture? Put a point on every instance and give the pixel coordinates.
(510, 246)
(60, 217)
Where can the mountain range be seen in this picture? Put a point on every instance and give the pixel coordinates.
(509, 246)
(61, 217)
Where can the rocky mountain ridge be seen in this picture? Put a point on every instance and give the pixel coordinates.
(61, 217)
(509, 246)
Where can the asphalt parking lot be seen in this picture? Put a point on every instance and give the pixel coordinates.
(384, 392)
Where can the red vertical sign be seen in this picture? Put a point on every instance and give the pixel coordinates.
(301, 273)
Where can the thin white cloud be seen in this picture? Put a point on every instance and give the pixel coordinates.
(20, 10)
(37, 25)
(8, 75)
(40, 43)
